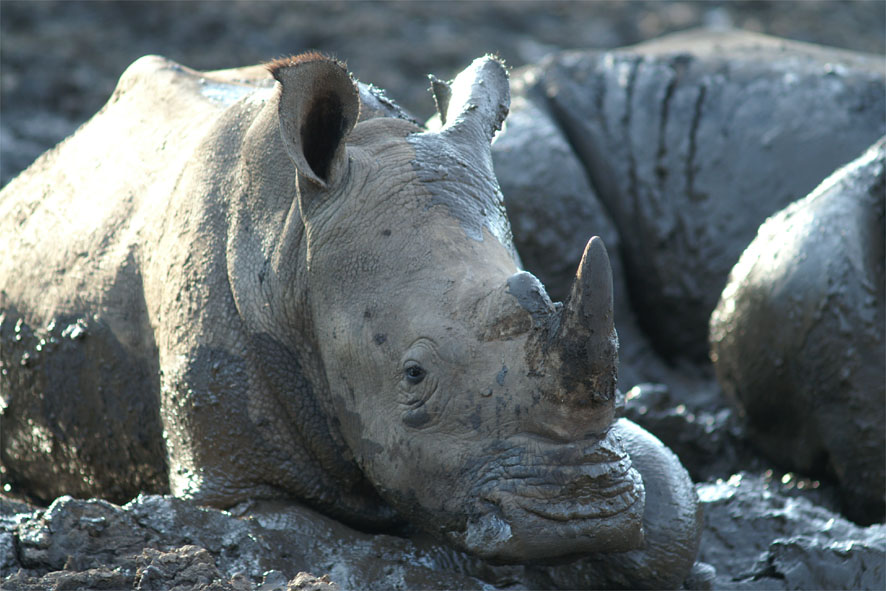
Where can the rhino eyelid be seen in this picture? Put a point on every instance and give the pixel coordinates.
(415, 402)
(415, 396)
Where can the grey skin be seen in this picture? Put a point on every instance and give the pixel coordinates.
(798, 336)
(313, 302)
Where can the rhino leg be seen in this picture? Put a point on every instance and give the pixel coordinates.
(78, 413)
(240, 428)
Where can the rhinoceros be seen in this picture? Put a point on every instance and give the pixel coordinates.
(234, 285)
(798, 338)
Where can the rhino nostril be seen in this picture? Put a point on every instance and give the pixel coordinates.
(531, 295)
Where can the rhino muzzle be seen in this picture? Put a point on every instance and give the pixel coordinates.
(548, 500)
(562, 484)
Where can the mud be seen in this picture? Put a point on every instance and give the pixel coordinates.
(160, 542)
(61, 60)
(761, 539)
(756, 536)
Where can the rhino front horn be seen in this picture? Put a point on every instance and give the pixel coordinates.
(585, 340)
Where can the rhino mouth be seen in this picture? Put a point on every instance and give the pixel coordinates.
(555, 499)
(595, 491)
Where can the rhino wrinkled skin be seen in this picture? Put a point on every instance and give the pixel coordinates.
(239, 287)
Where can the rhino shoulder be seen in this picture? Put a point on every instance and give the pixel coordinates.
(154, 77)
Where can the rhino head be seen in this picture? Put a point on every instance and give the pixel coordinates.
(476, 407)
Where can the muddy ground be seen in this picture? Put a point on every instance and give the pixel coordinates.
(59, 62)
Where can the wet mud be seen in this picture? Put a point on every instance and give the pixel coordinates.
(757, 534)
(81, 48)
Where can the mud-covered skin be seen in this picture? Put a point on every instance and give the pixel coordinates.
(45, 439)
(797, 338)
(334, 315)
(145, 259)
(666, 518)
(691, 140)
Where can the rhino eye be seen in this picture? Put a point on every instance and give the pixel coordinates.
(414, 374)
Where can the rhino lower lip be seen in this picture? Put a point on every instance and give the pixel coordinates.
(567, 482)
(573, 494)
(599, 505)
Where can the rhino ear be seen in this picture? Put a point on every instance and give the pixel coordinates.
(478, 101)
(442, 93)
(318, 106)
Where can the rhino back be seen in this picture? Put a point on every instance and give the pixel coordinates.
(72, 219)
(78, 230)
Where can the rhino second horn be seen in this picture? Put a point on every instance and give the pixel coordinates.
(585, 339)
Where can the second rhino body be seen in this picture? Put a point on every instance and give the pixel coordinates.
(279, 287)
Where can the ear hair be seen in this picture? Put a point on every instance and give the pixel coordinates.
(275, 66)
(318, 106)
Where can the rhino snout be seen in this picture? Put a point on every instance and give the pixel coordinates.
(550, 499)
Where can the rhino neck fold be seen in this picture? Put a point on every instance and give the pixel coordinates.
(267, 273)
